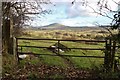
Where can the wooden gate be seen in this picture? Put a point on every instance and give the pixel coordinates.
(109, 50)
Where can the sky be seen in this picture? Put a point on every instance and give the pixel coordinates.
(79, 14)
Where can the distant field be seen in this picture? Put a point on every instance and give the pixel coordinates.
(70, 33)
(87, 33)
(66, 34)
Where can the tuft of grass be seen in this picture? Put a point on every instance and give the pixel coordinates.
(8, 64)
(56, 77)
(32, 76)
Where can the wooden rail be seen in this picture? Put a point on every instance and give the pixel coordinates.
(65, 48)
(36, 54)
(102, 41)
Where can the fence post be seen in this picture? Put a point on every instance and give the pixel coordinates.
(106, 55)
(14, 48)
(113, 56)
(109, 55)
(17, 50)
(107, 58)
(58, 46)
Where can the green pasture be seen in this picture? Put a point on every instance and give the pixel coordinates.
(78, 62)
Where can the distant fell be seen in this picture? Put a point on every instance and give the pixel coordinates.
(55, 26)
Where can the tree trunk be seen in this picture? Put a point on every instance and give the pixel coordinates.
(6, 28)
(6, 36)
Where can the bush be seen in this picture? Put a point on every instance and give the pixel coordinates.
(99, 37)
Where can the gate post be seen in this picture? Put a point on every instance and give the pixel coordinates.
(106, 55)
(107, 61)
(15, 50)
(113, 56)
(58, 47)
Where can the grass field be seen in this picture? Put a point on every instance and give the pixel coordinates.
(58, 67)
(78, 62)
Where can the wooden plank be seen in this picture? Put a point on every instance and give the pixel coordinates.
(61, 55)
(64, 48)
(62, 40)
(84, 40)
(35, 39)
(88, 48)
(32, 46)
(112, 46)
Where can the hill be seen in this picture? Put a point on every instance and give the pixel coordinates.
(55, 26)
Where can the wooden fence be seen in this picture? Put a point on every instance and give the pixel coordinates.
(109, 50)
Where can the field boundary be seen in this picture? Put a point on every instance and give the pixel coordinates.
(109, 50)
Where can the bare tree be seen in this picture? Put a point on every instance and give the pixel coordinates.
(14, 16)
(104, 9)
(115, 24)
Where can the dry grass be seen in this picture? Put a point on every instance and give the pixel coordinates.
(67, 34)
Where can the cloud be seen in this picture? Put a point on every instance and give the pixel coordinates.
(77, 10)
(85, 9)
(74, 15)
(81, 8)
(85, 21)
(77, 22)
(61, 0)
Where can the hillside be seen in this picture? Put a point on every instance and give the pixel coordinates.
(56, 26)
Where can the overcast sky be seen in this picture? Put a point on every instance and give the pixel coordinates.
(65, 13)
